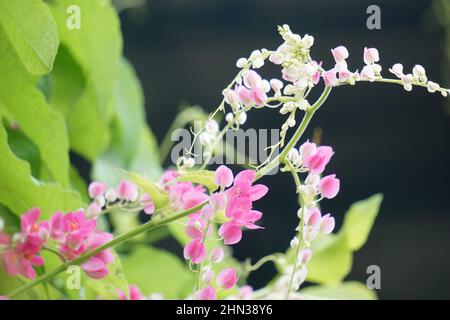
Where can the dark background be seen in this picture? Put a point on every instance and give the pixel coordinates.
(386, 139)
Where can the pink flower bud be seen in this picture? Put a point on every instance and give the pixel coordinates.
(245, 95)
(195, 251)
(208, 212)
(231, 97)
(208, 293)
(371, 55)
(313, 217)
(329, 77)
(252, 79)
(94, 209)
(216, 255)
(259, 97)
(305, 255)
(127, 191)
(218, 201)
(96, 189)
(340, 53)
(316, 162)
(327, 224)
(329, 186)
(208, 275)
(307, 149)
(245, 293)
(223, 177)
(227, 278)
(230, 233)
(367, 73)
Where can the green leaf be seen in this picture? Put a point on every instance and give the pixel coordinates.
(359, 220)
(158, 271)
(107, 287)
(345, 291)
(23, 103)
(159, 196)
(32, 32)
(331, 262)
(96, 47)
(19, 191)
(203, 177)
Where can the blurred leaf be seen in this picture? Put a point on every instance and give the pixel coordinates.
(77, 183)
(203, 177)
(359, 220)
(23, 103)
(158, 271)
(32, 32)
(96, 47)
(331, 263)
(25, 150)
(19, 191)
(344, 291)
(159, 196)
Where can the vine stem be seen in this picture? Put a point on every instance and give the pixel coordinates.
(152, 224)
(301, 223)
(297, 135)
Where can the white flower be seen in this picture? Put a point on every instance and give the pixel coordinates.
(432, 86)
(188, 162)
(212, 126)
(294, 242)
(303, 105)
(397, 69)
(241, 62)
(229, 117)
(291, 122)
(242, 118)
(276, 58)
(256, 58)
(419, 73)
(293, 155)
(111, 195)
(205, 138)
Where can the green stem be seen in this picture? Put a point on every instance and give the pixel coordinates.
(152, 224)
(297, 135)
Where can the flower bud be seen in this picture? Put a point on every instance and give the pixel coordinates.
(227, 279)
(327, 224)
(371, 55)
(96, 189)
(223, 177)
(329, 186)
(340, 53)
(216, 255)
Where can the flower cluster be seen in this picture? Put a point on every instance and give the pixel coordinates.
(232, 206)
(70, 235)
(311, 159)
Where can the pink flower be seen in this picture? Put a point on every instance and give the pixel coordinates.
(252, 79)
(21, 259)
(207, 293)
(245, 95)
(368, 74)
(259, 97)
(243, 186)
(223, 177)
(371, 55)
(194, 228)
(340, 53)
(96, 266)
(316, 76)
(218, 200)
(96, 189)
(230, 232)
(305, 255)
(135, 294)
(195, 251)
(127, 191)
(316, 162)
(147, 202)
(313, 216)
(245, 293)
(216, 255)
(327, 224)
(329, 77)
(329, 186)
(227, 279)
(231, 97)
(29, 224)
(307, 149)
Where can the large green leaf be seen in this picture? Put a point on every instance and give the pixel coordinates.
(359, 220)
(345, 291)
(19, 191)
(158, 271)
(96, 47)
(32, 32)
(333, 254)
(23, 103)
